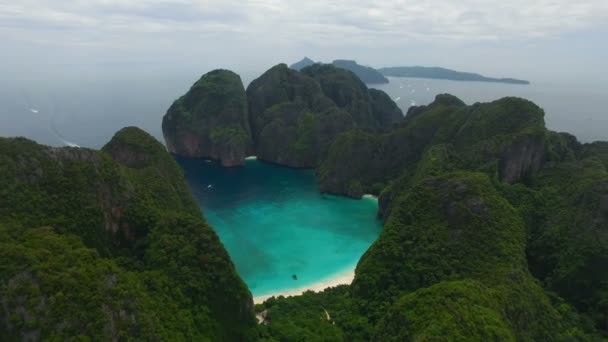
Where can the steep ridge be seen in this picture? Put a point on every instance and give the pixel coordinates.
(110, 243)
(210, 120)
(495, 229)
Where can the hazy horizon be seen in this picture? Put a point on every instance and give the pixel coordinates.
(542, 40)
(88, 68)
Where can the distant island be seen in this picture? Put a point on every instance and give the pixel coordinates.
(303, 63)
(444, 74)
(367, 74)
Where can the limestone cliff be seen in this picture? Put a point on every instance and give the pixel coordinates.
(210, 120)
(292, 120)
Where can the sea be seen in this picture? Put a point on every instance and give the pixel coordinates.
(279, 231)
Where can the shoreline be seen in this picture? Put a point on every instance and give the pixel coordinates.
(342, 278)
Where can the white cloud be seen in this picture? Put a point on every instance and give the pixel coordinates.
(312, 21)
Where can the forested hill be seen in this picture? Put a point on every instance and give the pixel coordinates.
(495, 228)
(443, 74)
(110, 245)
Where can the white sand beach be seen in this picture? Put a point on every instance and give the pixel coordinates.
(343, 278)
(251, 158)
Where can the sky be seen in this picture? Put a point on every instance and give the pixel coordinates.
(530, 39)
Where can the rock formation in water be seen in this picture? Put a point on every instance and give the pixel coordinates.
(110, 244)
(289, 117)
(210, 120)
(292, 120)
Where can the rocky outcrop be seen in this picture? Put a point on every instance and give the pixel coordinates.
(292, 121)
(291, 118)
(505, 137)
(385, 111)
(347, 91)
(523, 157)
(210, 120)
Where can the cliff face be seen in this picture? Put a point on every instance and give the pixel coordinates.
(289, 118)
(386, 112)
(210, 120)
(347, 91)
(292, 120)
(124, 221)
(505, 138)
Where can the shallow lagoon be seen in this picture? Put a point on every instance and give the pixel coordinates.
(275, 223)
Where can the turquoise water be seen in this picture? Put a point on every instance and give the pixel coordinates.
(275, 223)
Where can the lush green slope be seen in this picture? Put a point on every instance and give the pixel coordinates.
(349, 93)
(444, 74)
(567, 212)
(495, 229)
(151, 269)
(296, 116)
(292, 120)
(210, 120)
(505, 138)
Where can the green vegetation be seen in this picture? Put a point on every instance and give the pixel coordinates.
(111, 244)
(495, 229)
(285, 117)
(504, 138)
(443, 74)
(296, 116)
(210, 120)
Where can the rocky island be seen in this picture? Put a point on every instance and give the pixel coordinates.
(495, 228)
(210, 120)
(444, 74)
(289, 117)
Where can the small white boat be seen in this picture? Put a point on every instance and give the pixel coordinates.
(397, 99)
(35, 111)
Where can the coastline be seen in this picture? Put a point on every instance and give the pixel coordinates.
(370, 196)
(342, 278)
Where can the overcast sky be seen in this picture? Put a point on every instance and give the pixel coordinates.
(517, 38)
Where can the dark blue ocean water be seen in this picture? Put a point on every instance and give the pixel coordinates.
(275, 223)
